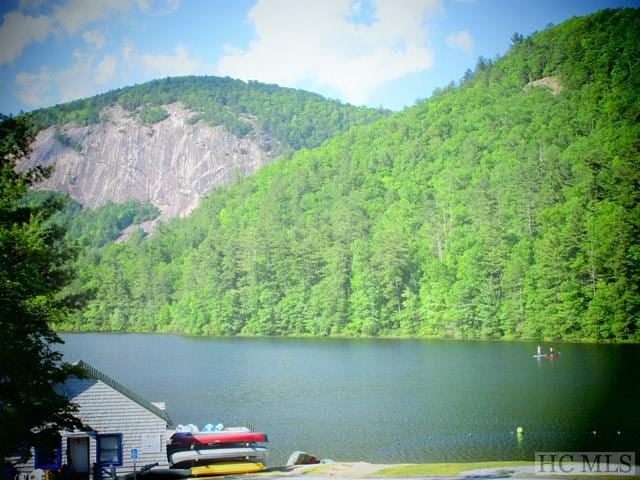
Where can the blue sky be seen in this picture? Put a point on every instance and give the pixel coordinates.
(367, 52)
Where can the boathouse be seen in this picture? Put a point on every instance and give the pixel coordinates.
(122, 426)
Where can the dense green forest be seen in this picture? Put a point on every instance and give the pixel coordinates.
(88, 229)
(497, 208)
(297, 119)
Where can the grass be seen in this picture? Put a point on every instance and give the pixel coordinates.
(503, 468)
(453, 469)
(444, 469)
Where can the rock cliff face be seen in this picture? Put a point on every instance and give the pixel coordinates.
(171, 164)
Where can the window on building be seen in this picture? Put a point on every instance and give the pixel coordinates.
(48, 458)
(109, 448)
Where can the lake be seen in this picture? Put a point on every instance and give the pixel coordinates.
(384, 401)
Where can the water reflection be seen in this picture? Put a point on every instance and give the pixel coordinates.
(385, 400)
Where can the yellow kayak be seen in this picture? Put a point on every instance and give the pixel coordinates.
(226, 468)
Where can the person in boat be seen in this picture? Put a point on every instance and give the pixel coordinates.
(551, 352)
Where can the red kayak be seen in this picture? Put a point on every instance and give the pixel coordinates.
(212, 438)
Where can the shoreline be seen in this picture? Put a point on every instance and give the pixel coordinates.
(348, 337)
(488, 469)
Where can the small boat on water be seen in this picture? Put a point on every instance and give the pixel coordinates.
(552, 353)
(205, 455)
(227, 468)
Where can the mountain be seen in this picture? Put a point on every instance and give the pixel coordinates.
(168, 142)
(506, 206)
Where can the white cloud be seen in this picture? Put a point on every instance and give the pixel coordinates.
(95, 38)
(79, 56)
(31, 4)
(127, 52)
(88, 73)
(169, 65)
(461, 40)
(18, 30)
(169, 7)
(106, 70)
(83, 78)
(35, 89)
(173, 5)
(316, 42)
(75, 14)
(76, 81)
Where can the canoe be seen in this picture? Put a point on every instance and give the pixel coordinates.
(213, 454)
(226, 468)
(212, 438)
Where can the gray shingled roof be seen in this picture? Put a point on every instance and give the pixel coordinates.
(98, 375)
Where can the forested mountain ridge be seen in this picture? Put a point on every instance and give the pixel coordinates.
(295, 118)
(169, 141)
(497, 208)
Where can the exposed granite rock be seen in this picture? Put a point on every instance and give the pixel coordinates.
(551, 83)
(171, 164)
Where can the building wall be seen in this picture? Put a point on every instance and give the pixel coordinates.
(106, 410)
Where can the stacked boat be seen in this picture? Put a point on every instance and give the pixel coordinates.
(218, 451)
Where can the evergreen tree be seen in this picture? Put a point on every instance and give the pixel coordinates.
(33, 267)
(506, 206)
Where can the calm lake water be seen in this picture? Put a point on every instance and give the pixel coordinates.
(385, 400)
